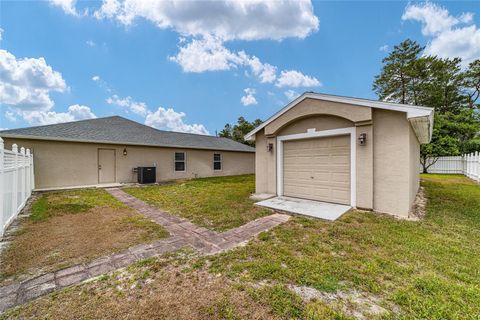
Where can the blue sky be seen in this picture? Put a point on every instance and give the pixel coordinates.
(193, 66)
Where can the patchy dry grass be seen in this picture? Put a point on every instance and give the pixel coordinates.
(70, 227)
(365, 266)
(152, 289)
(218, 203)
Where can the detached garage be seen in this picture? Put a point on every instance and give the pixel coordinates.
(342, 150)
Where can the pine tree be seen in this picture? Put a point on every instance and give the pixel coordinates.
(398, 80)
(409, 77)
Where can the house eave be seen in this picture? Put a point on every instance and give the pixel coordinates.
(412, 112)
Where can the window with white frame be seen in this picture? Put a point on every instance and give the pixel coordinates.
(217, 161)
(180, 163)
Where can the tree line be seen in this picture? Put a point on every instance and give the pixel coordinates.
(239, 130)
(409, 76)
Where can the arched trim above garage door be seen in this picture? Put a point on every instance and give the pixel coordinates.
(311, 133)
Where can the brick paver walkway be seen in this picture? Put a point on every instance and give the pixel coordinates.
(182, 233)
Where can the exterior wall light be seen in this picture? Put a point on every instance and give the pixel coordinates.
(362, 139)
(124, 151)
(270, 147)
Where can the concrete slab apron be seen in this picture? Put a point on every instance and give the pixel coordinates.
(317, 209)
(182, 233)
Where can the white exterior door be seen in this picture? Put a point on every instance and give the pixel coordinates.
(106, 165)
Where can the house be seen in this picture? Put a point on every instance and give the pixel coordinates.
(351, 151)
(107, 150)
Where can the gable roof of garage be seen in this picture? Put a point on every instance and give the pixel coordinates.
(421, 118)
(118, 130)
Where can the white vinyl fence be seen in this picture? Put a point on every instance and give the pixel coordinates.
(468, 165)
(16, 182)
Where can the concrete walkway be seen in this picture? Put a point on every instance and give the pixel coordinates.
(182, 233)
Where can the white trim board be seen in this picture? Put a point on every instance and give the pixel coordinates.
(421, 117)
(318, 134)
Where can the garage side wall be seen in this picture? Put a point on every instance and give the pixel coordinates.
(391, 162)
(364, 168)
(265, 165)
(63, 164)
(414, 163)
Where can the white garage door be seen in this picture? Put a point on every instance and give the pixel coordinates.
(317, 169)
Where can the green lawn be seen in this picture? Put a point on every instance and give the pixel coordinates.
(363, 263)
(428, 269)
(218, 203)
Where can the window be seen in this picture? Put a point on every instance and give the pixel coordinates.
(217, 161)
(179, 161)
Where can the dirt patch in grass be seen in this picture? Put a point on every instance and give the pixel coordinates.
(152, 289)
(72, 234)
(419, 205)
(219, 203)
(359, 305)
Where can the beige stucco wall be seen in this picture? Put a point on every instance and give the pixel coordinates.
(317, 122)
(391, 157)
(311, 107)
(61, 164)
(265, 165)
(386, 167)
(364, 168)
(414, 165)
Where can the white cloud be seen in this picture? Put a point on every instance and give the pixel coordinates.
(102, 84)
(79, 112)
(226, 20)
(90, 43)
(206, 54)
(450, 36)
(384, 48)
(75, 112)
(10, 116)
(1, 33)
(209, 24)
(25, 87)
(169, 119)
(435, 19)
(210, 54)
(291, 94)
(292, 78)
(461, 42)
(139, 108)
(265, 72)
(26, 83)
(68, 6)
(108, 9)
(166, 119)
(249, 97)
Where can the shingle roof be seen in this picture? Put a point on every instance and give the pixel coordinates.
(118, 130)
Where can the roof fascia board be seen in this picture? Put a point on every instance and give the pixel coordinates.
(412, 111)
